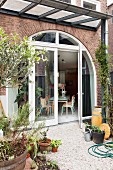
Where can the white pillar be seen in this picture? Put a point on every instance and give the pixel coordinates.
(32, 95)
(106, 32)
(80, 86)
(56, 85)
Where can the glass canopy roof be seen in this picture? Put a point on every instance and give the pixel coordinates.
(54, 11)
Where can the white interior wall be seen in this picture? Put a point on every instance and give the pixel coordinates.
(12, 107)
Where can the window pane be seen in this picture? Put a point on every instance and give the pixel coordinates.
(44, 90)
(45, 37)
(68, 1)
(85, 69)
(89, 5)
(64, 39)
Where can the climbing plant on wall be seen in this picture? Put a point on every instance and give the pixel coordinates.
(103, 59)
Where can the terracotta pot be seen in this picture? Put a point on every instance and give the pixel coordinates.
(28, 155)
(54, 149)
(15, 164)
(44, 146)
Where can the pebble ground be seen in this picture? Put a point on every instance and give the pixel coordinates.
(73, 153)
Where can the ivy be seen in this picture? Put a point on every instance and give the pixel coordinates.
(103, 59)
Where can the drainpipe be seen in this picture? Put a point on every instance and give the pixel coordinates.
(103, 39)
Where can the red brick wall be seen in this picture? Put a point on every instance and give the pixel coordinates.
(27, 27)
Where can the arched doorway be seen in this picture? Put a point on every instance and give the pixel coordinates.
(68, 70)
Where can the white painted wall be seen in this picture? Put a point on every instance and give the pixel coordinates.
(109, 2)
(12, 107)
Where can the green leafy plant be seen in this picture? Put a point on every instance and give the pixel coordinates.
(56, 143)
(44, 135)
(4, 123)
(22, 91)
(16, 59)
(38, 91)
(103, 59)
(22, 118)
(96, 129)
(52, 164)
(33, 137)
(19, 140)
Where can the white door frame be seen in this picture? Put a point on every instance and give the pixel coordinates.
(55, 47)
(32, 90)
(80, 86)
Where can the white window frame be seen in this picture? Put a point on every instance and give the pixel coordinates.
(55, 47)
(112, 18)
(95, 2)
(73, 2)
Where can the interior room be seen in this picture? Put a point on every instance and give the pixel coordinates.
(67, 85)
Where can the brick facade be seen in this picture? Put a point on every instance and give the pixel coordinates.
(27, 27)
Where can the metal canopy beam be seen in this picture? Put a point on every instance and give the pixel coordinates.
(59, 6)
(27, 8)
(84, 21)
(72, 8)
(2, 2)
(68, 17)
(49, 13)
(34, 17)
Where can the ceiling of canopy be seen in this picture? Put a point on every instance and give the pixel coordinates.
(54, 11)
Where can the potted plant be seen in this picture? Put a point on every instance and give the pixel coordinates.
(13, 145)
(44, 142)
(17, 59)
(55, 144)
(4, 124)
(97, 135)
(88, 127)
(88, 132)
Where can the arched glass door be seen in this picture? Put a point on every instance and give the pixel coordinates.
(62, 50)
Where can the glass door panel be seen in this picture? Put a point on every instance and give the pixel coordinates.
(86, 88)
(46, 85)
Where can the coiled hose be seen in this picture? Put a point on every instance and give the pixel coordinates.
(102, 150)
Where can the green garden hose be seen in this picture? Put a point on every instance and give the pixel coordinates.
(102, 150)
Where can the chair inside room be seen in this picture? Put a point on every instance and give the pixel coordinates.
(69, 105)
(45, 105)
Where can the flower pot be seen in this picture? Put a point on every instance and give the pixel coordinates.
(54, 149)
(44, 146)
(96, 116)
(28, 155)
(16, 164)
(98, 138)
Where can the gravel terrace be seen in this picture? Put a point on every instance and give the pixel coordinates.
(73, 153)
